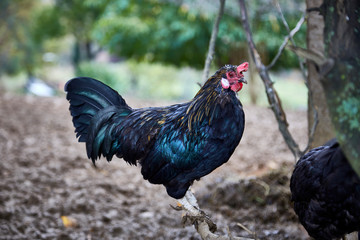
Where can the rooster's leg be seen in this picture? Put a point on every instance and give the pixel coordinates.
(193, 213)
(189, 203)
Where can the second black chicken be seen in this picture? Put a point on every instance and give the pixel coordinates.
(326, 192)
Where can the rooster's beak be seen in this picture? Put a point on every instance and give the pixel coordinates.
(243, 80)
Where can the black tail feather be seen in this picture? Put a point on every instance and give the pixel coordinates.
(87, 98)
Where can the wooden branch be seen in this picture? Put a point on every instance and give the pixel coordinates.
(271, 93)
(214, 34)
(319, 59)
(203, 230)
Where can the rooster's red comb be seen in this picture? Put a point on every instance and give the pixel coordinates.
(242, 67)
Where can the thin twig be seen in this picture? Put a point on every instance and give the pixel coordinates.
(272, 95)
(286, 40)
(301, 64)
(229, 233)
(303, 71)
(248, 230)
(214, 34)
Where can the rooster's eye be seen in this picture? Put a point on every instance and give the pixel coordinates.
(231, 74)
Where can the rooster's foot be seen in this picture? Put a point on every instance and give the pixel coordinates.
(193, 214)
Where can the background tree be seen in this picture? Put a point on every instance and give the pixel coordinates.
(338, 72)
(342, 82)
(19, 49)
(78, 17)
(315, 42)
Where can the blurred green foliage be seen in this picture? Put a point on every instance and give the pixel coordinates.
(159, 82)
(144, 80)
(178, 33)
(155, 31)
(117, 76)
(17, 43)
(169, 32)
(77, 18)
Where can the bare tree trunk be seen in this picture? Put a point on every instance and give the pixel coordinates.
(88, 50)
(341, 82)
(315, 42)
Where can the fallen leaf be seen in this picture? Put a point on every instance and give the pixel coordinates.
(68, 221)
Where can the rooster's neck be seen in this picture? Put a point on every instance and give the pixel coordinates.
(212, 101)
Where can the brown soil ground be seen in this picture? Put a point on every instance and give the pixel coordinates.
(45, 175)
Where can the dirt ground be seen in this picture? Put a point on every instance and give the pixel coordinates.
(50, 190)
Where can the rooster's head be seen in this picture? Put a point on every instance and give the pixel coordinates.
(232, 76)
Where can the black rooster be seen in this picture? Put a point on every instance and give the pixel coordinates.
(326, 192)
(175, 145)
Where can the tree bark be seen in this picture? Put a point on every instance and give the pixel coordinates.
(315, 30)
(342, 82)
(253, 83)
